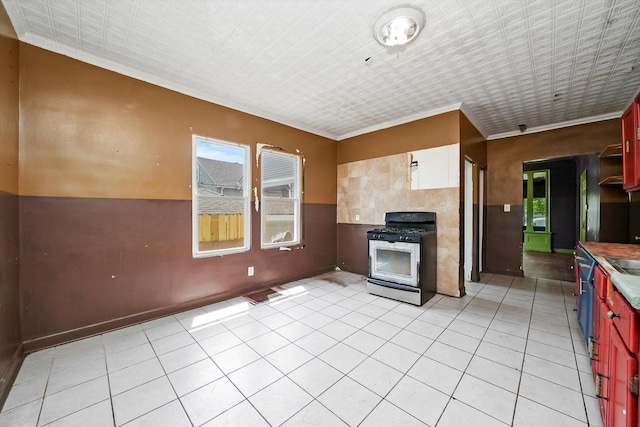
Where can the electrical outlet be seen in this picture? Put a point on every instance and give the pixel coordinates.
(357, 217)
(250, 271)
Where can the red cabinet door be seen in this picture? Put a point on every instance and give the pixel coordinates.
(630, 172)
(600, 362)
(623, 368)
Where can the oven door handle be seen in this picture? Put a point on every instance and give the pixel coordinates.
(418, 273)
(393, 285)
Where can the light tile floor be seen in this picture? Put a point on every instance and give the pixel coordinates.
(327, 354)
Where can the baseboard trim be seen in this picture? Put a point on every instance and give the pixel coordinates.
(9, 376)
(504, 272)
(39, 343)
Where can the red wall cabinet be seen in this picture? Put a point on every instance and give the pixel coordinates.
(631, 147)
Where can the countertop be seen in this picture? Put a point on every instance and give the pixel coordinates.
(628, 285)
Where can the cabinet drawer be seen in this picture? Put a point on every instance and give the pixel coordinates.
(625, 320)
(600, 281)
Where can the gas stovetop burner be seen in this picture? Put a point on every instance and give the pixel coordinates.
(400, 230)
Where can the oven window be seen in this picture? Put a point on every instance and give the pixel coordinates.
(393, 262)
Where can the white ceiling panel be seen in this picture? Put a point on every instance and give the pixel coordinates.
(304, 63)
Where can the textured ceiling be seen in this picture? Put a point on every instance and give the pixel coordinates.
(546, 63)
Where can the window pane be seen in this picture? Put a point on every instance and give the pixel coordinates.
(280, 198)
(221, 198)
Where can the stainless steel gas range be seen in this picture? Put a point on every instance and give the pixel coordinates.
(403, 257)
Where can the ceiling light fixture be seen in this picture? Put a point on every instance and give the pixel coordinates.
(399, 26)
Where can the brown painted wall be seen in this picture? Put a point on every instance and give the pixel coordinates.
(105, 201)
(430, 132)
(10, 333)
(504, 181)
(89, 132)
(472, 143)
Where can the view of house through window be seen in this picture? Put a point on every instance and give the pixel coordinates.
(221, 197)
(280, 173)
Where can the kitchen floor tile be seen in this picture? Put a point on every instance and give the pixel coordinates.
(412, 341)
(314, 414)
(398, 357)
(170, 415)
(235, 358)
(382, 329)
(448, 355)
(349, 400)
(148, 397)
(364, 342)
(467, 328)
(73, 399)
(172, 342)
(211, 400)
(268, 343)
(194, 376)
(129, 357)
(25, 392)
(182, 357)
(499, 354)
(459, 414)
(255, 376)
(386, 414)
(485, 397)
(553, 396)
(171, 327)
(532, 414)
(289, 358)
(376, 376)
(459, 341)
(219, 343)
(342, 357)
(553, 372)
(514, 341)
(494, 373)
(436, 374)
(316, 343)
(133, 376)
(279, 401)
(25, 415)
(98, 415)
(315, 376)
(242, 411)
(410, 395)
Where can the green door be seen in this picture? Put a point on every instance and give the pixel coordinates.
(583, 206)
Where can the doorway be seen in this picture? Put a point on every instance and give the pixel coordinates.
(473, 217)
(550, 218)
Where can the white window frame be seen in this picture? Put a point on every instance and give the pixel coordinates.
(297, 201)
(246, 190)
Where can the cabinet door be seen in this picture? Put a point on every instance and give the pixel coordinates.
(600, 362)
(630, 172)
(622, 410)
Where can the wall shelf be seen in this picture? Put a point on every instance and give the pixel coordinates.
(610, 180)
(613, 150)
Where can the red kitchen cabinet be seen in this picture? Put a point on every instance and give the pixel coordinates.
(600, 360)
(631, 147)
(623, 384)
(614, 350)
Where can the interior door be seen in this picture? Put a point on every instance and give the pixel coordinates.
(583, 206)
(468, 219)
